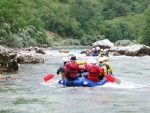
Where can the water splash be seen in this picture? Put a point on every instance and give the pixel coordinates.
(125, 85)
(52, 83)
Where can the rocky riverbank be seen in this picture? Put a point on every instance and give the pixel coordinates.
(11, 58)
(133, 50)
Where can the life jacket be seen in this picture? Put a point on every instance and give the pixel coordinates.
(88, 52)
(93, 73)
(107, 65)
(95, 51)
(71, 70)
(79, 62)
(104, 68)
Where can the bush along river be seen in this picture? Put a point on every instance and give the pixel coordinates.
(30, 94)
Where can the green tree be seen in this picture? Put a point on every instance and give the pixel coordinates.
(145, 38)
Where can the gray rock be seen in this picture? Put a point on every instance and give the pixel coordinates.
(116, 54)
(103, 44)
(134, 50)
(7, 60)
(23, 59)
(138, 50)
(40, 50)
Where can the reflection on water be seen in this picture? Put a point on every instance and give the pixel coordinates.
(30, 94)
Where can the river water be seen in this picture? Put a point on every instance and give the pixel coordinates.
(30, 94)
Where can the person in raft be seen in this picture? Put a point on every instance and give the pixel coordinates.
(98, 49)
(104, 68)
(107, 65)
(102, 53)
(94, 71)
(61, 68)
(72, 68)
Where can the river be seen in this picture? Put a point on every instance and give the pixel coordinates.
(30, 94)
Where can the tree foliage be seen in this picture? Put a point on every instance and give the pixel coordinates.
(25, 21)
(145, 35)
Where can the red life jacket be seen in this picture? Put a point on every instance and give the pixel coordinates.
(93, 73)
(88, 52)
(71, 70)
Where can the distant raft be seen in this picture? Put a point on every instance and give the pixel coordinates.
(64, 51)
(81, 81)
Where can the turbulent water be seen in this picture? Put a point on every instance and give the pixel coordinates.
(30, 94)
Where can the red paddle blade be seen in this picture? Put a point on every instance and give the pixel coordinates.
(110, 78)
(48, 77)
(117, 81)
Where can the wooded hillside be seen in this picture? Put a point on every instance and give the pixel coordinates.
(80, 22)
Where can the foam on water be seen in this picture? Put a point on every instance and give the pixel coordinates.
(124, 85)
(51, 83)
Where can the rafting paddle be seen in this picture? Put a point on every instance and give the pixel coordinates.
(112, 79)
(48, 77)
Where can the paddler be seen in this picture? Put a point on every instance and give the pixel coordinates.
(93, 70)
(107, 64)
(61, 68)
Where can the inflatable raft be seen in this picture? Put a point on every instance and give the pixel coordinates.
(64, 51)
(81, 81)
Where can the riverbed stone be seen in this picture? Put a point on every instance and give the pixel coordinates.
(7, 60)
(103, 44)
(138, 50)
(116, 54)
(134, 50)
(2, 77)
(23, 59)
(39, 50)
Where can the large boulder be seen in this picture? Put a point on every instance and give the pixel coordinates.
(7, 60)
(116, 54)
(4, 55)
(83, 52)
(134, 50)
(120, 50)
(23, 59)
(39, 50)
(138, 50)
(103, 44)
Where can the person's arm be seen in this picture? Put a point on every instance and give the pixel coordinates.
(59, 70)
(66, 69)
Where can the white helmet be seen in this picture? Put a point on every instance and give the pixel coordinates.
(65, 59)
(97, 48)
(93, 61)
(102, 50)
(101, 59)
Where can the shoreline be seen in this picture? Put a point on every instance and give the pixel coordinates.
(70, 47)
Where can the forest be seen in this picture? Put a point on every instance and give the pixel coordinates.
(25, 23)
